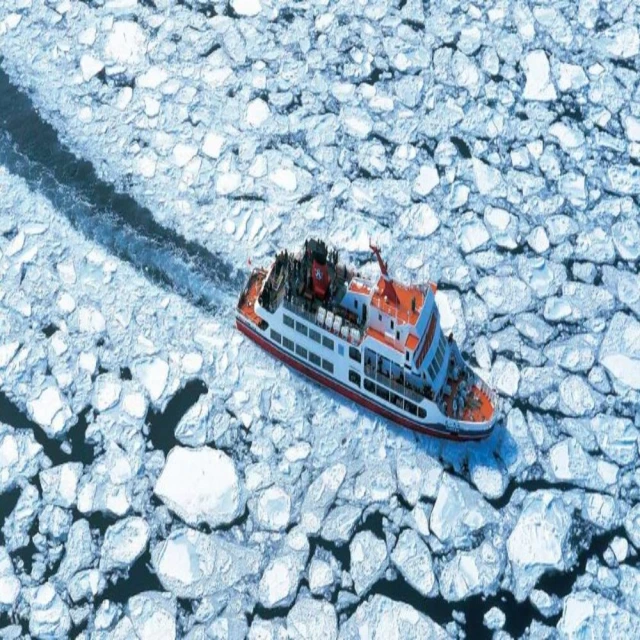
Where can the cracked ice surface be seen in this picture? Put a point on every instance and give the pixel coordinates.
(494, 150)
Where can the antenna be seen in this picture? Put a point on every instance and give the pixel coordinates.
(389, 290)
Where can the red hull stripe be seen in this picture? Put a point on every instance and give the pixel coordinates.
(348, 393)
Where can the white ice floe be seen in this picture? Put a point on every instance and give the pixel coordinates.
(472, 572)
(153, 374)
(413, 559)
(539, 85)
(153, 615)
(124, 542)
(49, 617)
(369, 560)
(459, 511)
(9, 583)
(340, 523)
(191, 564)
(20, 457)
(589, 615)
(273, 509)
(281, 578)
(201, 485)
(320, 496)
(540, 540)
(311, 619)
(620, 350)
(60, 484)
(51, 411)
(381, 618)
(126, 43)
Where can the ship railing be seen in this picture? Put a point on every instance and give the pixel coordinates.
(403, 390)
(311, 317)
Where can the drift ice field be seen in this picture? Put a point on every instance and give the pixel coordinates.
(161, 476)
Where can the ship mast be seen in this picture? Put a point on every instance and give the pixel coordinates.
(389, 290)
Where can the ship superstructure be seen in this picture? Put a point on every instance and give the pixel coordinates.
(378, 343)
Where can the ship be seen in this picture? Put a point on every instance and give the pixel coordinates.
(377, 343)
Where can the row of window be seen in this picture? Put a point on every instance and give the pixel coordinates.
(436, 363)
(301, 352)
(302, 328)
(394, 398)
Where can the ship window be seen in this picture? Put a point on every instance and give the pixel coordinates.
(382, 392)
(422, 413)
(369, 386)
(287, 343)
(355, 354)
(340, 349)
(327, 366)
(314, 335)
(354, 377)
(301, 328)
(395, 399)
(410, 407)
(392, 324)
(380, 317)
(315, 359)
(276, 336)
(406, 356)
(327, 342)
(398, 336)
(288, 320)
(301, 351)
(355, 304)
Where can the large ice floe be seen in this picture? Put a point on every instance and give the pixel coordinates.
(160, 477)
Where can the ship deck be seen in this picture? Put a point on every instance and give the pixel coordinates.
(246, 306)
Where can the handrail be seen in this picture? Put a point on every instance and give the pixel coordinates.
(394, 386)
(298, 309)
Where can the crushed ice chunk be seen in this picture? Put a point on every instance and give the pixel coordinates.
(619, 41)
(273, 509)
(246, 7)
(632, 526)
(413, 559)
(620, 350)
(589, 615)
(50, 411)
(538, 77)
(506, 295)
(320, 496)
(576, 396)
(472, 572)
(311, 619)
(124, 542)
(60, 484)
(341, 522)
(153, 374)
(126, 43)
(153, 615)
(488, 179)
(426, 180)
(90, 66)
(539, 541)
(458, 512)
(281, 578)
(201, 485)
(369, 560)
(9, 583)
(212, 144)
(571, 463)
(106, 392)
(49, 617)
(380, 618)
(258, 113)
(191, 564)
(505, 376)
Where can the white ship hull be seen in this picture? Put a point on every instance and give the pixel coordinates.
(326, 360)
